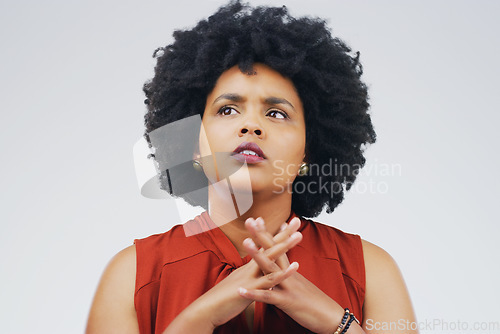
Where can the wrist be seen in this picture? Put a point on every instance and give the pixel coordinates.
(333, 318)
(348, 319)
(193, 319)
(198, 313)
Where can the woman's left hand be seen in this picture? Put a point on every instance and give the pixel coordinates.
(296, 295)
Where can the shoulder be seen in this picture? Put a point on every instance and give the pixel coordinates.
(335, 241)
(124, 258)
(175, 236)
(380, 267)
(155, 252)
(124, 263)
(120, 271)
(121, 268)
(321, 231)
(113, 308)
(375, 256)
(384, 282)
(173, 245)
(325, 241)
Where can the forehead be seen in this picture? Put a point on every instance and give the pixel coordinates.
(265, 82)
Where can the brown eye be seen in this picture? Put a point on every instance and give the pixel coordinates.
(277, 114)
(226, 111)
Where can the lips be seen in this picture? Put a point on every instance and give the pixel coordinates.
(248, 146)
(248, 152)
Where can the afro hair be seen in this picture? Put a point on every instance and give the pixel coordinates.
(324, 70)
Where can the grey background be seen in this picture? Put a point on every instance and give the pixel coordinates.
(72, 107)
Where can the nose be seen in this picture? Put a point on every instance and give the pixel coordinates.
(251, 127)
(244, 130)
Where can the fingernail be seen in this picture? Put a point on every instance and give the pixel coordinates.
(283, 226)
(242, 291)
(250, 243)
(253, 223)
(295, 235)
(294, 265)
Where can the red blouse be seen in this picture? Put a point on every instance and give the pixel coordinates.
(174, 270)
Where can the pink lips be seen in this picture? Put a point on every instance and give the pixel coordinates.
(248, 158)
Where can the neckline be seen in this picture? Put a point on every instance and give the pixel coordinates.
(228, 252)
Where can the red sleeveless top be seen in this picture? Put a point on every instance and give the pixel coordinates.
(174, 270)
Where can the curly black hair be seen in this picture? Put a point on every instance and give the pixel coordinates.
(325, 72)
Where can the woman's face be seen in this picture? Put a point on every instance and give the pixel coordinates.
(245, 113)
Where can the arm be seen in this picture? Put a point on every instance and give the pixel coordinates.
(387, 302)
(193, 319)
(386, 297)
(223, 302)
(113, 308)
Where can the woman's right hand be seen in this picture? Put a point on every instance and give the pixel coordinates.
(222, 303)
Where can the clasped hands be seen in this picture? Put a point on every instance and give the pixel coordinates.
(271, 257)
(280, 284)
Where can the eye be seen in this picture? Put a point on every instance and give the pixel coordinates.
(226, 111)
(277, 114)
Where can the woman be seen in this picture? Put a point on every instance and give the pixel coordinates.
(279, 99)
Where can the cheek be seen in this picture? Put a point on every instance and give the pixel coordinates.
(293, 145)
(217, 164)
(290, 155)
(211, 137)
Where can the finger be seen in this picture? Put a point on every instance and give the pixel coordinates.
(263, 238)
(281, 248)
(266, 258)
(275, 251)
(287, 230)
(258, 232)
(263, 262)
(265, 294)
(275, 278)
(272, 280)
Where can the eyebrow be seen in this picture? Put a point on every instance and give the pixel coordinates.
(272, 100)
(230, 97)
(277, 100)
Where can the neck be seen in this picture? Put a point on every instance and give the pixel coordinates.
(275, 209)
